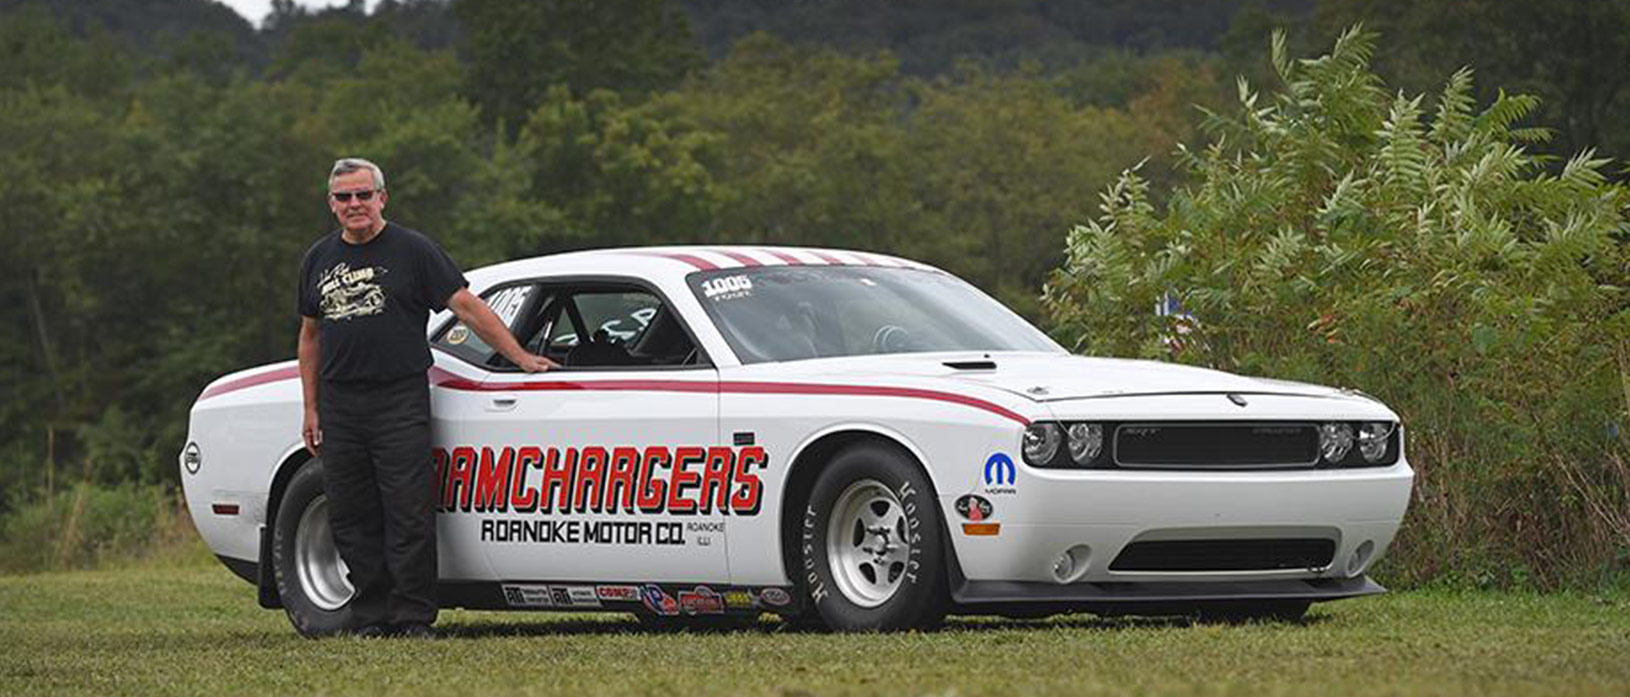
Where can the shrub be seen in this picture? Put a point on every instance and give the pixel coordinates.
(91, 525)
(1335, 233)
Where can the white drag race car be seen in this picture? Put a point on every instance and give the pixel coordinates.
(828, 435)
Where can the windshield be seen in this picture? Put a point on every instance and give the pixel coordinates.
(788, 313)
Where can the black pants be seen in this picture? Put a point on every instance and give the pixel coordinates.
(381, 495)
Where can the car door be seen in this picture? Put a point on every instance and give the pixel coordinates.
(461, 361)
(608, 468)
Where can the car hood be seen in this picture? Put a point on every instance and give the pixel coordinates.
(1051, 377)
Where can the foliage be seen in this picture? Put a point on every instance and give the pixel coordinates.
(1414, 249)
(519, 50)
(1569, 54)
(91, 525)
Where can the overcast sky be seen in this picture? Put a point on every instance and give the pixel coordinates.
(256, 10)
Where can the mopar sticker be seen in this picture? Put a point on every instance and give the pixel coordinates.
(974, 508)
(1000, 474)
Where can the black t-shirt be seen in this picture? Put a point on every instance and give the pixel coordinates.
(373, 300)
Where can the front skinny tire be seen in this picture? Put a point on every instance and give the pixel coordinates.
(873, 543)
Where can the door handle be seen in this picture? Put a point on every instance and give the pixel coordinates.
(501, 404)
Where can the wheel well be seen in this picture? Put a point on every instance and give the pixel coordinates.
(801, 479)
(280, 482)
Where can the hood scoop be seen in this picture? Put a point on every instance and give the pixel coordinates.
(971, 365)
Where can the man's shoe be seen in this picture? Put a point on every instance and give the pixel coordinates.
(415, 630)
(372, 631)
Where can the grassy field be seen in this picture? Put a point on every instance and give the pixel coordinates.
(196, 630)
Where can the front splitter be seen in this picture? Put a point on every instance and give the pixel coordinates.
(1154, 597)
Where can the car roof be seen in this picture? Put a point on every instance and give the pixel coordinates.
(672, 263)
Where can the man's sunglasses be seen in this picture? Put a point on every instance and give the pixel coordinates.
(345, 196)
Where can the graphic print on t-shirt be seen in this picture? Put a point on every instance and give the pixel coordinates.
(349, 293)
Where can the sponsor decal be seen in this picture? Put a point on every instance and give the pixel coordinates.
(583, 532)
(458, 335)
(629, 594)
(506, 304)
(1000, 474)
(575, 596)
(527, 596)
(974, 508)
(701, 601)
(775, 597)
(658, 601)
(192, 458)
(654, 480)
(740, 600)
(727, 288)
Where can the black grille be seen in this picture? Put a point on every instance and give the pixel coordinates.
(1216, 445)
(1225, 555)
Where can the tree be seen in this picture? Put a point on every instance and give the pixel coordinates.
(1333, 232)
(518, 50)
(1569, 54)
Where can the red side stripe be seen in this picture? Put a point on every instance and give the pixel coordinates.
(738, 256)
(828, 258)
(292, 371)
(870, 391)
(738, 388)
(448, 380)
(783, 256)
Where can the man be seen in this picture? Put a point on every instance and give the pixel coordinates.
(366, 293)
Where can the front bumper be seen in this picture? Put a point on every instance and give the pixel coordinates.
(1095, 514)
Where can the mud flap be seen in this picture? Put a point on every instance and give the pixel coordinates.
(267, 579)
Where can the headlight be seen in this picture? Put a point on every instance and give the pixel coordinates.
(1373, 438)
(1086, 441)
(1041, 443)
(1335, 440)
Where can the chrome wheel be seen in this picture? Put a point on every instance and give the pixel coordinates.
(867, 546)
(317, 561)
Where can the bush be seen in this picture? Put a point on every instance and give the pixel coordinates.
(91, 525)
(1335, 234)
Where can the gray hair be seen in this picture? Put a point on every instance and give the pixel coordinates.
(347, 165)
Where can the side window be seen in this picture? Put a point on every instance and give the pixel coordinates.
(607, 327)
(510, 304)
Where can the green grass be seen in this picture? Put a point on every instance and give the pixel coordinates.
(196, 630)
